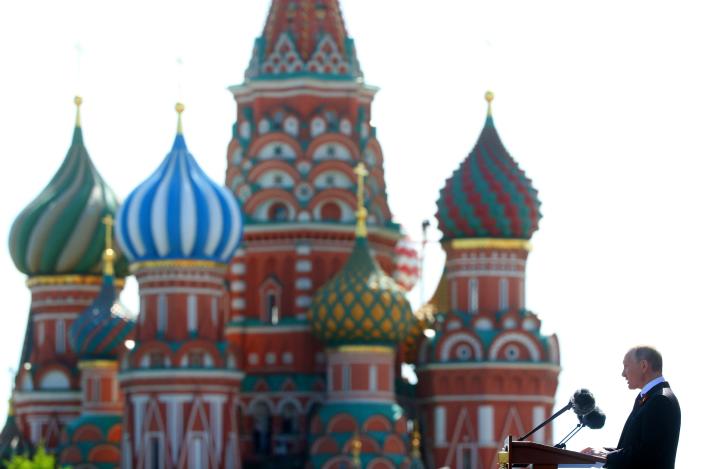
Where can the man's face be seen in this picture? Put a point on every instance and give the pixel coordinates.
(634, 371)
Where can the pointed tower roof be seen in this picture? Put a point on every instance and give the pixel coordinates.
(304, 38)
(60, 232)
(488, 196)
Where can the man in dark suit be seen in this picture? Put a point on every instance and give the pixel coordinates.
(650, 436)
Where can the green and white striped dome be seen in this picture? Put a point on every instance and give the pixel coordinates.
(60, 231)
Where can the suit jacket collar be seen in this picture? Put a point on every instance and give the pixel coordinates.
(651, 384)
(653, 391)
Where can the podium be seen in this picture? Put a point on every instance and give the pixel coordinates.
(523, 453)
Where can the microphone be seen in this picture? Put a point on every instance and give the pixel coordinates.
(594, 420)
(583, 402)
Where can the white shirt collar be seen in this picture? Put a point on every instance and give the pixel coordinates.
(648, 386)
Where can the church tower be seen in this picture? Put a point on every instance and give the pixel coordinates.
(98, 336)
(179, 229)
(361, 315)
(488, 372)
(58, 241)
(303, 124)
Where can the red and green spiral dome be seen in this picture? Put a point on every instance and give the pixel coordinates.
(488, 196)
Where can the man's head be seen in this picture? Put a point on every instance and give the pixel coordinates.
(641, 365)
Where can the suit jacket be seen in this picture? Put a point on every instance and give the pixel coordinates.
(650, 436)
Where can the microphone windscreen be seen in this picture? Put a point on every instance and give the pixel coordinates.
(583, 402)
(595, 419)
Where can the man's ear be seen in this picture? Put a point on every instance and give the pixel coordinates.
(644, 366)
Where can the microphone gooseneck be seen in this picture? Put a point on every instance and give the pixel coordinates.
(546, 422)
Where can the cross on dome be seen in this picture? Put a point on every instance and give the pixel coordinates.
(361, 227)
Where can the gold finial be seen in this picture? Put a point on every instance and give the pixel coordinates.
(355, 450)
(78, 101)
(416, 441)
(489, 96)
(361, 227)
(179, 109)
(109, 253)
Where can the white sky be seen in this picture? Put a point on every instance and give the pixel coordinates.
(600, 102)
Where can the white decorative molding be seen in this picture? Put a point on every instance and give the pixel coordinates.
(504, 339)
(461, 337)
(439, 424)
(485, 425)
(538, 415)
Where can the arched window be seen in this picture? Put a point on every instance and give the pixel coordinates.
(278, 212)
(270, 292)
(330, 211)
(503, 294)
(272, 308)
(474, 295)
(161, 313)
(289, 419)
(192, 314)
(60, 336)
(261, 429)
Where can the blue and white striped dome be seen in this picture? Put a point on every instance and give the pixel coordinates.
(179, 213)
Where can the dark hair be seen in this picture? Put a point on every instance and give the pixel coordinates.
(651, 355)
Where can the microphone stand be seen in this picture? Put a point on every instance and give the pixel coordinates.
(561, 444)
(550, 419)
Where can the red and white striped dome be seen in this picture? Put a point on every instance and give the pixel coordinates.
(406, 266)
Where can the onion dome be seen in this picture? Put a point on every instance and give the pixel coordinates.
(488, 196)
(179, 213)
(60, 232)
(101, 330)
(361, 304)
(303, 39)
(406, 264)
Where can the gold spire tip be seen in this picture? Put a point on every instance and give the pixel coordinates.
(489, 96)
(78, 101)
(179, 109)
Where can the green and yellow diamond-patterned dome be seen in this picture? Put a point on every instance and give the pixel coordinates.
(361, 304)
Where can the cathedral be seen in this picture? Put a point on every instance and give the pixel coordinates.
(273, 321)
